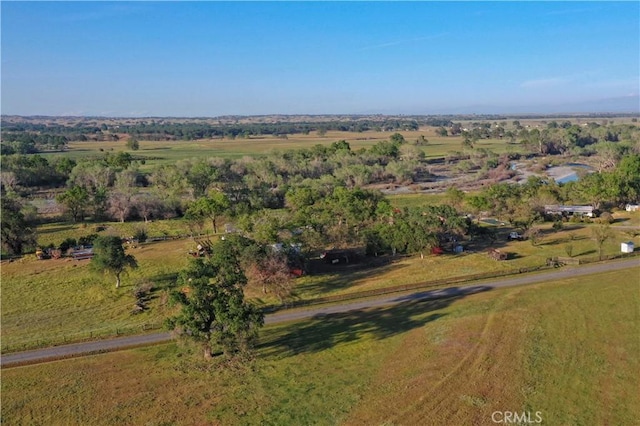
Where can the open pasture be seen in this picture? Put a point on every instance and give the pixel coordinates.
(400, 201)
(566, 349)
(54, 301)
(51, 301)
(414, 269)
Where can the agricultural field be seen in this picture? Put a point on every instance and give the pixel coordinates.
(453, 361)
(167, 152)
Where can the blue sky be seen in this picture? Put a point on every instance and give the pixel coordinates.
(247, 58)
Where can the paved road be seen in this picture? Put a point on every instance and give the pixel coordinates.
(77, 349)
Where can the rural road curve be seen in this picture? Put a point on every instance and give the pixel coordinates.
(72, 350)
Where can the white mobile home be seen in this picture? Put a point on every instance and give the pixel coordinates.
(569, 210)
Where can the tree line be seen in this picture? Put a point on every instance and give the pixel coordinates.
(27, 138)
(256, 190)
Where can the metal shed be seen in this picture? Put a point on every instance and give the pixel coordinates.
(627, 247)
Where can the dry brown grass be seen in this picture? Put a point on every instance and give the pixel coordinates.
(568, 349)
(457, 367)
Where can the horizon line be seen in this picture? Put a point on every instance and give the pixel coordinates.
(515, 114)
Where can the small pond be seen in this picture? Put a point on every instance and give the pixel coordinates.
(568, 173)
(573, 177)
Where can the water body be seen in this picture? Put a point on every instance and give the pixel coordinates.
(567, 173)
(573, 177)
(580, 166)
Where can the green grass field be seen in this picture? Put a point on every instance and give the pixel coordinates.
(53, 301)
(567, 349)
(160, 152)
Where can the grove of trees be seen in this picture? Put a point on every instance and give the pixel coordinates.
(317, 195)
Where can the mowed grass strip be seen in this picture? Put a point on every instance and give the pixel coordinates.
(567, 349)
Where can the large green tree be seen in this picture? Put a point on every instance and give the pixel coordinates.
(110, 257)
(75, 200)
(199, 175)
(16, 233)
(209, 207)
(214, 311)
(626, 178)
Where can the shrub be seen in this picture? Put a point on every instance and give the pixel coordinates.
(534, 235)
(142, 295)
(133, 144)
(140, 234)
(569, 250)
(605, 217)
(87, 239)
(67, 244)
(500, 173)
(575, 219)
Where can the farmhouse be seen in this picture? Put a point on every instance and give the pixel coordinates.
(569, 210)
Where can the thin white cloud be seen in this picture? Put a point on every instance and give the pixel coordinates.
(631, 82)
(406, 41)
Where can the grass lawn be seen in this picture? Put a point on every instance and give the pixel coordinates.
(624, 218)
(567, 349)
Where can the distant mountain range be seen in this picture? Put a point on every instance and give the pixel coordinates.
(621, 106)
(626, 104)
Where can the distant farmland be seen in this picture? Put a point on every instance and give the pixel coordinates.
(156, 152)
